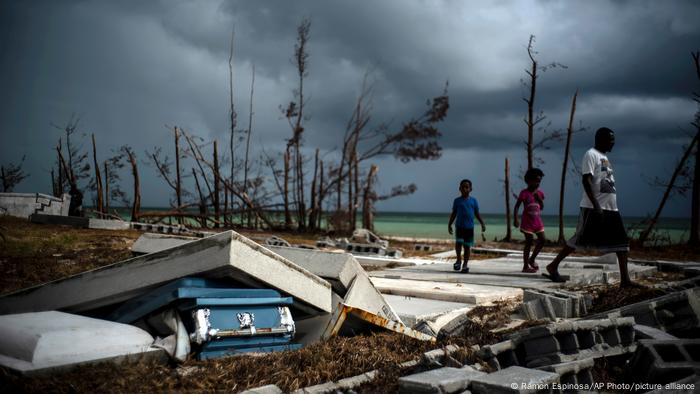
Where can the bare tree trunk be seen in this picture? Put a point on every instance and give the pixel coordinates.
(247, 144)
(314, 208)
(367, 200)
(320, 197)
(694, 238)
(232, 113)
(53, 184)
(287, 216)
(217, 183)
(136, 207)
(61, 174)
(202, 202)
(645, 234)
(350, 194)
(178, 180)
(106, 187)
(355, 204)
(564, 166)
(530, 105)
(98, 179)
(509, 234)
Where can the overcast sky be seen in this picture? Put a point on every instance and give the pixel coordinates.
(129, 68)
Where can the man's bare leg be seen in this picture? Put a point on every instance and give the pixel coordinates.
(625, 280)
(553, 267)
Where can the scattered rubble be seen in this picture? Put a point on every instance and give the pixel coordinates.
(335, 310)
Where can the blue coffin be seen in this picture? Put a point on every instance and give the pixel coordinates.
(220, 320)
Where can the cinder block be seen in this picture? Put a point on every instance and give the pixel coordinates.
(665, 361)
(514, 380)
(442, 380)
(225, 255)
(541, 345)
(573, 372)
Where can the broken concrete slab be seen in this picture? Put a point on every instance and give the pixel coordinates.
(441, 380)
(268, 389)
(645, 332)
(102, 224)
(514, 380)
(453, 292)
(156, 242)
(225, 255)
(413, 310)
(23, 205)
(349, 321)
(39, 342)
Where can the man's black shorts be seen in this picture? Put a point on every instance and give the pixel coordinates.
(603, 232)
(464, 236)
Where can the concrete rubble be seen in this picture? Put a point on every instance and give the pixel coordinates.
(333, 294)
(23, 205)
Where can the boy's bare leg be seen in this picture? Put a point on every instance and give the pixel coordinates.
(467, 254)
(526, 251)
(538, 248)
(458, 251)
(553, 267)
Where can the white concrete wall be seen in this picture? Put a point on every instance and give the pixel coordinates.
(24, 204)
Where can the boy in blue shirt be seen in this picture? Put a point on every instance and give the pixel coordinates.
(464, 209)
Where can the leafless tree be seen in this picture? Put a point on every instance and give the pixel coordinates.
(11, 175)
(533, 119)
(694, 239)
(569, 131)
(294, 113)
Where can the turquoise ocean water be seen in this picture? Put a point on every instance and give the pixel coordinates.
(434, 225)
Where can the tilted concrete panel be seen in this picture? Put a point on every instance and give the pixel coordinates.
(339, 268)
(224, 255)
(154, 242)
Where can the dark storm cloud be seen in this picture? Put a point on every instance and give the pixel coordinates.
(129, 68)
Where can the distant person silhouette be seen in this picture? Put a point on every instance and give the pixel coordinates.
(599, 223)
(464, 209)
(532, 199)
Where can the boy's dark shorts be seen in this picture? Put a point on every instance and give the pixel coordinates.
(464, 236)
(604, 232)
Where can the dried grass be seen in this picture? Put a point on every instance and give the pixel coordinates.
(319, 363)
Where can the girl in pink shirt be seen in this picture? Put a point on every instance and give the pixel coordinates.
(531, 224)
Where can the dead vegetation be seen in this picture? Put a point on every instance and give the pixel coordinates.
(33, 254)
(318, 363)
